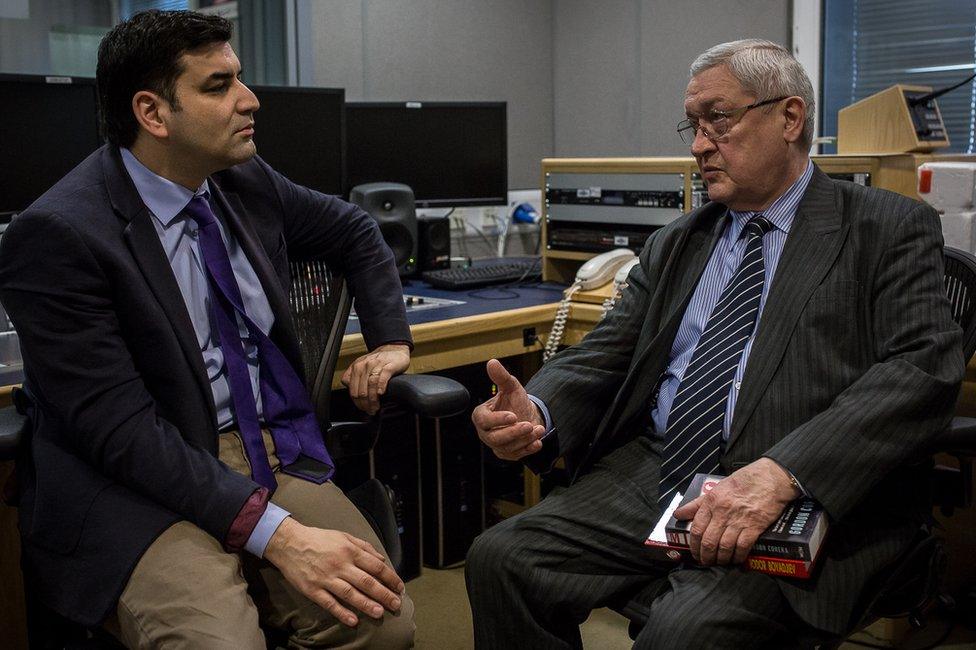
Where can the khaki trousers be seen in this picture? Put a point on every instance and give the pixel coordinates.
(187, 592)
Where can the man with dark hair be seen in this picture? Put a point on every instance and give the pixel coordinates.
(792, 335)
(170, 429)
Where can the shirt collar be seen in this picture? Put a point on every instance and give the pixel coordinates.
(781, 211)
(164, 198)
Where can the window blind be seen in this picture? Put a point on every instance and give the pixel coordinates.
(870, 45)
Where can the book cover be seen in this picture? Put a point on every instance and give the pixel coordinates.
(789, 547)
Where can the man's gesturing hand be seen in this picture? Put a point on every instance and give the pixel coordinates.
(728, 520)
(509, 423)
(331, 568)
(368, 375)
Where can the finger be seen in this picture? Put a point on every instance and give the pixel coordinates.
(688, 511)
(510, 438)
(528, 435)
(381, 571)
(366, 546)
(727, 545)
(346, 376)
(747, 538)
(347, 593)
(362, 377)
(327, 601)
(699, 524)
(377, 383)
(486, 419)
(384, 378)
(501, 377)
(372, 593)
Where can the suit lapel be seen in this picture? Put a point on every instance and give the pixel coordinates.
(147, 251)
(677, 283)
(815, 240)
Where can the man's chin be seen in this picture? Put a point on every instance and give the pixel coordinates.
(242, 154)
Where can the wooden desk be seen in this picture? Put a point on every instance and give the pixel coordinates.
(461, 341)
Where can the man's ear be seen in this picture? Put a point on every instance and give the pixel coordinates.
(150, 111)
(795, 114)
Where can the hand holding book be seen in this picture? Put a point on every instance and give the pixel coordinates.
(787, 547)
(728, 519)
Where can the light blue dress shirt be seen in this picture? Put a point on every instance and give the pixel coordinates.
(177, 232)
(721, 265)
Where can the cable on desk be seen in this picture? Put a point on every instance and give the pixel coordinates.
(476, 293)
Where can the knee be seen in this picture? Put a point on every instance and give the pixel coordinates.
(668, 629)
(493, 556)
(394, 631)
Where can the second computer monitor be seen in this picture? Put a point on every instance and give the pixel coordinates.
(49, 125)
(450, 153)
(299, 132)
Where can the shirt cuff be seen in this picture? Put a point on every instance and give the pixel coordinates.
(265, 528)
(545, 414)
(246, 519)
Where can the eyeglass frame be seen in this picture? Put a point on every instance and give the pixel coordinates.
(686, 123)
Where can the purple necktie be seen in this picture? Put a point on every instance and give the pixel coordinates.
(288, 412)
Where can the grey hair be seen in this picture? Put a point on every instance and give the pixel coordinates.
(766, 70)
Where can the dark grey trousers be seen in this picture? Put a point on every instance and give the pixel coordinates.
(533, 578)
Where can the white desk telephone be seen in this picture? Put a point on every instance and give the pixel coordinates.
(595, 272)
(601, 268)
(619, 284)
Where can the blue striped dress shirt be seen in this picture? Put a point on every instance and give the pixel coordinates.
(721, 266)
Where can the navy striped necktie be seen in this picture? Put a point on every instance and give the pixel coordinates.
(693, 440)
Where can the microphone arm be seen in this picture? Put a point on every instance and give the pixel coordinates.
(915, 101)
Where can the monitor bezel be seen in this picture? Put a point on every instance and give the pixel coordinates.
(452, 202)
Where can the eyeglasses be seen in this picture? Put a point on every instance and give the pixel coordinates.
(716, 124)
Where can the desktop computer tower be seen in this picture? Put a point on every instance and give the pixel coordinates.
(395, 462)
(452, 476)
(452, 485)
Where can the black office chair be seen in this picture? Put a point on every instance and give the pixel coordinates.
(910, 583)
(320, 306)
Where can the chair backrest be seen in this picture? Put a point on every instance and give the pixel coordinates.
(320, 305)
(960, 286)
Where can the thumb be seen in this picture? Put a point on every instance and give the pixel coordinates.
(503, 379)
(688, 511)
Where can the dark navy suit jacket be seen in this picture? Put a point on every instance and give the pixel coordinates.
(124, 435)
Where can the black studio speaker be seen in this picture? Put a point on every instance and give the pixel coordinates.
(392, 206)
(434, 245)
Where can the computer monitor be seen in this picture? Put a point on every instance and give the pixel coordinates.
(450, 153)
(300, 133)
(49, 125)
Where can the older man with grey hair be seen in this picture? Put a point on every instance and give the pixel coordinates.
(792, 334)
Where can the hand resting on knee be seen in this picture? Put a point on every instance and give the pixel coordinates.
(333, 568)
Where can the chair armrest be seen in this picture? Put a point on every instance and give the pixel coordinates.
(11, 428)
(428, 395)
(345, 439)
(959, 438)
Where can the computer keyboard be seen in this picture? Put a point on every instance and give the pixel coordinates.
(472, 277)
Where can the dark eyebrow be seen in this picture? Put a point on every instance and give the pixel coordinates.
(221, 76)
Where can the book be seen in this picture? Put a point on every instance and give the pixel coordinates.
(788, 548)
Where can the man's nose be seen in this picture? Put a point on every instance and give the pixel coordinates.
(249, 101)
(701, 144)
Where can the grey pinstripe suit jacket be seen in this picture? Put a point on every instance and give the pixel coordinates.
(855, 366)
